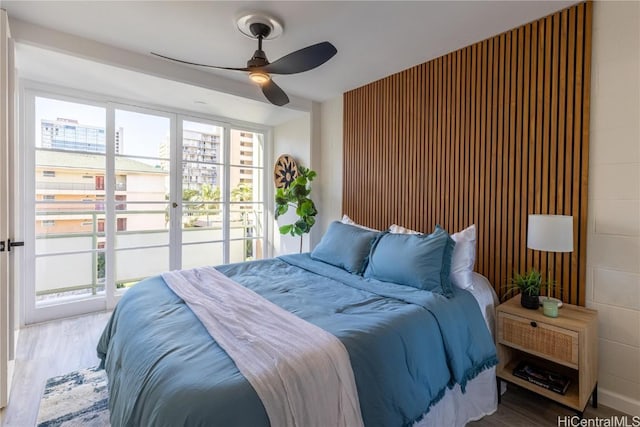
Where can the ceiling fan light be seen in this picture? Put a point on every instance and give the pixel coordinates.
(259, 77)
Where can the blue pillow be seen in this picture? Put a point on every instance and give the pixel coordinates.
(345, 246)
(421, 261)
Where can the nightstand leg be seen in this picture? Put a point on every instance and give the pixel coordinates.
(499, 383)
(594, 397)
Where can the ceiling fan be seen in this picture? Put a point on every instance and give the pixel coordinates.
(262, 27)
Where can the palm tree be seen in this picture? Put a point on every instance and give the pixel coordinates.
(242, 193)
(210, 200)
(205, 201)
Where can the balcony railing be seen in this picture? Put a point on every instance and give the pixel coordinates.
(245, 225)
(79, 186)
(76, 186)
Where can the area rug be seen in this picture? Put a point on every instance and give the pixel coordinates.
(76, 399)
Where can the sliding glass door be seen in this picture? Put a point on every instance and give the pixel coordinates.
(222, 194)
(246, 197)
(202, 184)
(67, 195)
(119, 193)
(141, 196)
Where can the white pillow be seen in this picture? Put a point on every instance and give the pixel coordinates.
(398, 229)
(464, 257)
(346, 220)
(464, 254)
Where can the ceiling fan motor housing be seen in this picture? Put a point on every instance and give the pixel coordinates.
(259, 59)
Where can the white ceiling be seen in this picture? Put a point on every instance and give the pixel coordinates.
(374, 39)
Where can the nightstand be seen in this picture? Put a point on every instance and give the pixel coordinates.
(567, 345)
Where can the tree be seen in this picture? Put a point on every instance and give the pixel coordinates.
(296, 195)
(242, 193)
(202, 202)
(208, 194)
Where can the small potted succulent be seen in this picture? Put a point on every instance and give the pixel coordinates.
(529, 285)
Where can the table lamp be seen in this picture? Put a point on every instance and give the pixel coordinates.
(550, 233)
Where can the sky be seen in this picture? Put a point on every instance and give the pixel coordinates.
(143, 133)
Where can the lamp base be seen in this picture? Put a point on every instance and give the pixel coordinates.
(542, 298)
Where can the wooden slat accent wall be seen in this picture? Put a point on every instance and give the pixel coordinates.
(485, 135)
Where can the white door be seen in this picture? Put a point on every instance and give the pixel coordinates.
(6, 136)
(222, 208)
(66, 199)
(98, 185)
(140, 212)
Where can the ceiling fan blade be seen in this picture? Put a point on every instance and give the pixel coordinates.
(199, 65)
(274, 93)
(301, 60)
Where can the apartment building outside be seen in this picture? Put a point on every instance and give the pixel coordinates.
(68, 134)
(78, 180)
(202, 158)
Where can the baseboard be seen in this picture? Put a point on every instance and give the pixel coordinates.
(618, 401)
(12, 366)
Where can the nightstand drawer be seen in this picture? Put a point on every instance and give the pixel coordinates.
(538, 338)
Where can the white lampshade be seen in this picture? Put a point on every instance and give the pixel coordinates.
(550, 233)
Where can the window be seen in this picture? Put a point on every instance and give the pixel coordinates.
(117, 186)
(121, 206)
(121, 183)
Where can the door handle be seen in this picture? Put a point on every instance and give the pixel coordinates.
(11, 244)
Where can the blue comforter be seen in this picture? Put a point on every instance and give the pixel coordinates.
(406, 346)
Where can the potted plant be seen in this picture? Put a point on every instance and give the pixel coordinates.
(296, 195)
(529, 285)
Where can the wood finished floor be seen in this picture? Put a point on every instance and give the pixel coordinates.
(59, 347)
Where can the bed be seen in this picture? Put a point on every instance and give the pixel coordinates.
(418, 357)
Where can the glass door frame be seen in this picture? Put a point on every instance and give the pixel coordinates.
(32, 312)
(111, 291)
(29, 90)
(226, 182)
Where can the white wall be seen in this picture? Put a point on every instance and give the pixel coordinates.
(315, 141)
(294, 138)
(613, 263)
(331, 162)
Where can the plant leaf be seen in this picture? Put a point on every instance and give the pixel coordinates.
(302, 226)
(310, 221)
(286, 229)
(281, 210)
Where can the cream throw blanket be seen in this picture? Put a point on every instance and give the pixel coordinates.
(301, 373)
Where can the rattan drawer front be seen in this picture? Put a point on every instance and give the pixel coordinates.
(542, 339)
